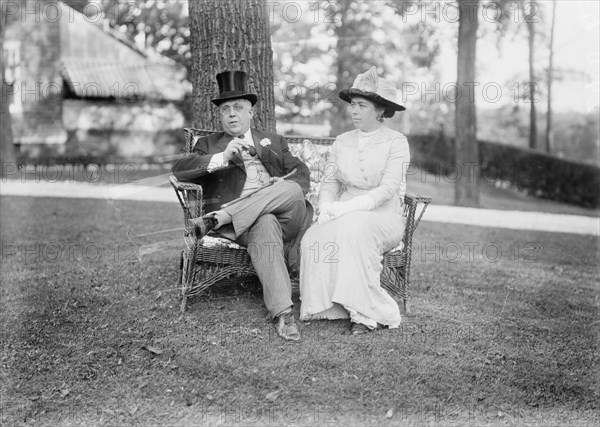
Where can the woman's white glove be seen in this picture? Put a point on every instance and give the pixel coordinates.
(324, 213)
(359, 203)
(329, 211)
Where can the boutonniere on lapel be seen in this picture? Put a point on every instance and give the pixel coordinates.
(266, 142)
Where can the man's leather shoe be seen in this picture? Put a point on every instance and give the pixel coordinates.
(286, 327)
(202, 225)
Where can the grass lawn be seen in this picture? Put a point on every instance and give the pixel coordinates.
(503, 331)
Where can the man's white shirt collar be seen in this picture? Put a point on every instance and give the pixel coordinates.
(248, 136)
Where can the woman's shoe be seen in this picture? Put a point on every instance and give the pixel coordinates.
(358, 328)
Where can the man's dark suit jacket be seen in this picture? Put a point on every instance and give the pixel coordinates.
(224, 185)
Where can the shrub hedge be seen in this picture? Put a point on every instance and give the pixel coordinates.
(533, 172)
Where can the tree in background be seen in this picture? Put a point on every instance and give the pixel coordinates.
(307, 74)
(374, 33)
(159, 26)
(349, 29)
(371, 33)
(7, 148)
(465, 114)
(155, 25)
(320, 48)
(467, 150)
(530, 9)
(302, 62)
(231, 35)
(532, 13)
(549, 131)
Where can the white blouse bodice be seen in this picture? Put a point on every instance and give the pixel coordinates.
(373, 163)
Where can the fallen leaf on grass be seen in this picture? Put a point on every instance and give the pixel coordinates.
(152, 349)
(389, 413)
(273, 395)
(346, 374)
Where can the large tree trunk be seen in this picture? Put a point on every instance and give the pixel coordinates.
(231, 35)
(467, 152)
(549, 131)
(7, 149)
(529, 20)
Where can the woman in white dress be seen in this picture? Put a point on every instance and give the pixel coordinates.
(360, 214)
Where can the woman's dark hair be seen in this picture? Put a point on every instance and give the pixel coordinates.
(388, 112)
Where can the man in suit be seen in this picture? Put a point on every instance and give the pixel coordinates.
(236, 163)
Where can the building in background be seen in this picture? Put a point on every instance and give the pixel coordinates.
(80, 90)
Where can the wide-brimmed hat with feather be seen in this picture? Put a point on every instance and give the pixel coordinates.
(370, 86)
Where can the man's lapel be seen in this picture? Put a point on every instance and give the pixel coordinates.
(263, 152)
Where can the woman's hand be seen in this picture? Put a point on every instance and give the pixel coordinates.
(358, 203)
(337, 209)
(324, 213)
(329, 211)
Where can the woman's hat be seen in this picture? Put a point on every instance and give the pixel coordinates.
(372, 87)
(232, 85)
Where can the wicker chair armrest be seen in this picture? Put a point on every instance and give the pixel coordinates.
(418, 198)
(180, 186)
(413, 200)
(189, 196)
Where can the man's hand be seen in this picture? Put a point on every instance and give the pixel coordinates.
(235, 148)
(276, 179)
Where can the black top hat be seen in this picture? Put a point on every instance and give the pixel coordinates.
(232, 85)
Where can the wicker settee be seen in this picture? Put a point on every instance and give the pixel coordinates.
(211, 260)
